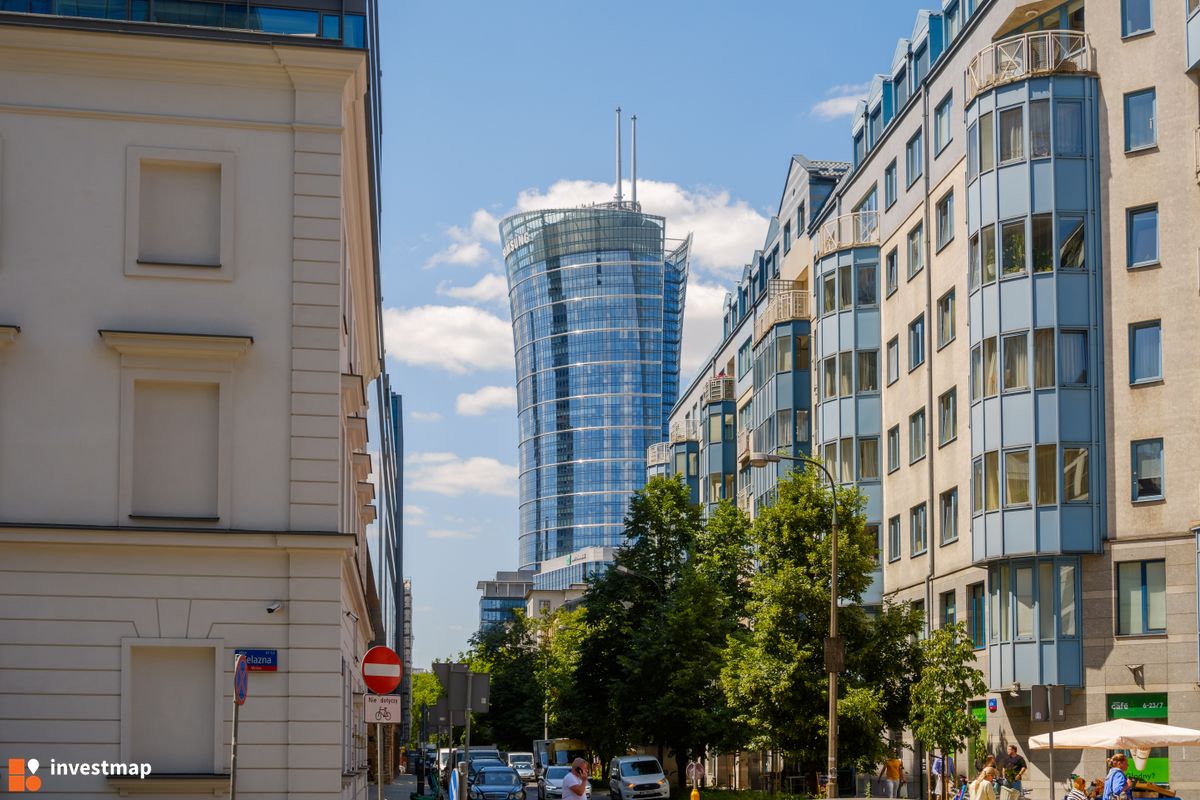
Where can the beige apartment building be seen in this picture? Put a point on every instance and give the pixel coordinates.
(1004, 297)
(188, 329)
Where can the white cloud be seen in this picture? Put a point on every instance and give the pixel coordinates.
(842, 102)
(491, 288)
(456, 339)
(449, 534)
(415, 515)
(485, 227)
(427, 416)
(481, 401)
(451, 475)
(702, 322)
(467, 245)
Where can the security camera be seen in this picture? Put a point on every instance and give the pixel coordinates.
(275, 606)
(353, 617)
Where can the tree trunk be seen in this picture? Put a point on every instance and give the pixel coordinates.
(681, 766)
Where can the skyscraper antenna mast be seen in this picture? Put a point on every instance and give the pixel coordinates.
(618, 156)
(633, 163)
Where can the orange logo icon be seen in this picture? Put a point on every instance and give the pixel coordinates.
(18, 781)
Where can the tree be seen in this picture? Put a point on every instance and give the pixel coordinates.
(508, 653)
(949, 679)
(426, 691)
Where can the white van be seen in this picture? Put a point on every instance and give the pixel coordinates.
(637, 778)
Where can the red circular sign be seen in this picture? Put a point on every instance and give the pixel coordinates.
(381, 670)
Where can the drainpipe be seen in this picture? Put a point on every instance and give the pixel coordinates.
(930, 421)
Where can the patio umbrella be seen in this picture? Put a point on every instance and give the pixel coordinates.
(1133, 735)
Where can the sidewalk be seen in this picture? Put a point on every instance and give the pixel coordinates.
(399, 789)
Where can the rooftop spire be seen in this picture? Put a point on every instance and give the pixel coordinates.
(618, 156)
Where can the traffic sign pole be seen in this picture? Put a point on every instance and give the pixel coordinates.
(381, 671)
(241, 682)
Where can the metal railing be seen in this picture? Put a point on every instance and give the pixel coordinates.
(718, 390)
(783, 307)
(659, 453)
(687, 430)
(1026, 55)
(743, 446)
(860, 229)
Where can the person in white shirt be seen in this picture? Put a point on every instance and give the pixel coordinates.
(575, 781)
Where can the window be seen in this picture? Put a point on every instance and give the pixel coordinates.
(802, 353)
(1012, 247)
(860, 147)
(179, 213)
(867, 285)
(893, 444)
(1068, 127)
(948, 511)
(1012, 134)
(184, 677)
(1024, 598)
(912, 159)
(1047, 474)
(800, 228)
(894, 538)
(1043, 243)
(973, 263)
(1136, 17)
(829, 296)
(1145, 352)
(941, 125)
(945, 220)
(1016, 478)
(714, 429)
(1141, 597)
(1043, 358)
(975, 616)
(846, 461)
(977, 486)
(900, 84)
(744, 359)
(893, 360)
(948, 610)
(845, 289)
(1142, 237)
(876, 536)
(987, 240)
(1001, 600)
(916, 436)
(1075, 475)
(916, 251)
(783, 354)
(972, 152)
(948, 417)
(1070, 244)
(991, 480)
(889, 185)
(987, 142)
(916, 343)
(1066, 599)
(945, 318)
(787, 237)
(846, 370)
(892, 271)
(953, 24)
(976, 373)
(868, 459)
(991, 375)
(868, 371)
(802, 432)
(175, 450)
(1148, 469)
(1016, 361)
(1073, 357)
(1039, 129)
(918, 534)
(828, 378)
(1139, 120)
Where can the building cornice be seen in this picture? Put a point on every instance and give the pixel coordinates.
(176, 345)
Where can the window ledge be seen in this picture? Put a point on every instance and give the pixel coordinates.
(8, 334)
(916, 460)
(185, 264)
(1146, 148)
(938, 248)
(945, 344)
(206, 783)
(176, 345)
(948, 542)
(1146, 382)
(949, 441)
(172, 518)
(1144, 265)
(1149, 501)
(1129, 37)
(919, 553)
(1127, 637)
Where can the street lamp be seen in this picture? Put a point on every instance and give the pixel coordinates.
(833, 645)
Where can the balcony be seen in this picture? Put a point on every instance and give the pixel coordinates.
(687, 430)
(658, 454)
(1027, 55)
(745, 501)
(786, 306)
(718, 390)
(860, 229)
(743, 448)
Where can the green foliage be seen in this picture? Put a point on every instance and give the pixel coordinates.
(426, 691)
(508, 653)
(949, 679)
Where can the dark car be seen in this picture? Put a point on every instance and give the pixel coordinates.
(478, 764)
(497, 783)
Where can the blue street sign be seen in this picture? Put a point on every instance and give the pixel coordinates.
(260, 660)
(241, 679)
(453, 793)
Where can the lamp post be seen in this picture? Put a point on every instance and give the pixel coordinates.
(833, 645)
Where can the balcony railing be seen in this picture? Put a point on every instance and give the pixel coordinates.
(718, 390)
(659, 453)
(783, 307)
(743, 447)
(745, 500)
(687, 430)
(860, 229)
(1026, 55)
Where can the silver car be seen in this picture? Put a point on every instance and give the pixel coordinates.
(550, 784)
(523, 764)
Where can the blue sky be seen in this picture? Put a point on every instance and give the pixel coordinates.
(492, 107)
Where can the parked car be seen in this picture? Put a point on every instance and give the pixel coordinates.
(481, 763)
(637, 778)
(497, 783)
(457, 755)
(550, 784)
(523, 764)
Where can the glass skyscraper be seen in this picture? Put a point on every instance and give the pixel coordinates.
(597, 308)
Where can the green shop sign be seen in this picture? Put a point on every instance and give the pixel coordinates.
(1144, 705)
(979, 712)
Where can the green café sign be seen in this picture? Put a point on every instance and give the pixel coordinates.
(1145, 705)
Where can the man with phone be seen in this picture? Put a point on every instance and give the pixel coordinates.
(575, 781)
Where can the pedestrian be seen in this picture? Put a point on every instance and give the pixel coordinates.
(942, 767)
(1078, 788)
(982, 788)
(1116, 785)
(1014, 768)
(892, 773)
(575, 781)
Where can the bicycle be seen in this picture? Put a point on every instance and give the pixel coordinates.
(383, 714)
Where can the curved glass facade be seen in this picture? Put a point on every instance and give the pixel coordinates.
(597, 309)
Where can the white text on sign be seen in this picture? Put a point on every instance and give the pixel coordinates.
(383, 708)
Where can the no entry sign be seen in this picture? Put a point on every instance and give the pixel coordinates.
(381, 670)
